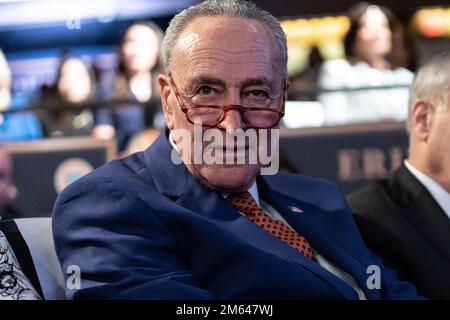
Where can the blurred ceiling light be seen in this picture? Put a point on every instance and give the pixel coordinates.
(313, 31)
(432, 22)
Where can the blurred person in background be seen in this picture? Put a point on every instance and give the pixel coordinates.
(64, 110)
(18, 125)
(7, 190)
(374, 53)
(304, 84)
(405, 218)
(139, 65)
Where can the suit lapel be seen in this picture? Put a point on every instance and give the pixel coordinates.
(422, 210)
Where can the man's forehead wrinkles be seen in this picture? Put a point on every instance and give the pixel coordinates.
(187, 41)
(228, 50)
(205, 52)
(205, 67)
(231, 54)
(258, 76)
(211, 59)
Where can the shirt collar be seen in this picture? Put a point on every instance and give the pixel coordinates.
(172, 143)
(253, 190)
(439, 194)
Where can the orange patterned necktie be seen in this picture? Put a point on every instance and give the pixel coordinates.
(245, 203)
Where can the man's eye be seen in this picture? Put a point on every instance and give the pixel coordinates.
(205, 90)
(259, 93)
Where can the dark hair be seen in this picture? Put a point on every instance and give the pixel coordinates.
(355, 12)
(159, 34)
(66, 57)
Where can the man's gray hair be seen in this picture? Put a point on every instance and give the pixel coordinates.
(431, 82)
(210, 8)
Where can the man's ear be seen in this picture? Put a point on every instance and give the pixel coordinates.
(166, 90)
(421, 119)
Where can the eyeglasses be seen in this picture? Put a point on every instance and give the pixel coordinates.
(259, 110)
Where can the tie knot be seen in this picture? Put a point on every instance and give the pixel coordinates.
(244, 202)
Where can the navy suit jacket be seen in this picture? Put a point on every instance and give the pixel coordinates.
(144, 228)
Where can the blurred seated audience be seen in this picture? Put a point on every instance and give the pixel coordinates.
(139, 65)
(7, 190)
(406, 218)
(18, 125)
(374, 51)
(64, 105)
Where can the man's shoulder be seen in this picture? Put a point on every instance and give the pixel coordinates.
(372, 192)
(375, 199)
(119, 172)
(304, 182)
(309, 189)
(120, 188)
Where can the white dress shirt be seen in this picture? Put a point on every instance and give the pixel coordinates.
(438, 193)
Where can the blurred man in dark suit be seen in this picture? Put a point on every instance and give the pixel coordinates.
(406, 218)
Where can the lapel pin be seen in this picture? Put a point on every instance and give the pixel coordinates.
(295, 209)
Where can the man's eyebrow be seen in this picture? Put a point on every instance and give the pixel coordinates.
(257, 81)
(205, 80)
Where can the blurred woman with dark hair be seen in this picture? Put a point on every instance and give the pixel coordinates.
(139, 65)
(374, 55)
(64, 106)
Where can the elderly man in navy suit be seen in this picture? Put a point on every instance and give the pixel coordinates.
(177, 221)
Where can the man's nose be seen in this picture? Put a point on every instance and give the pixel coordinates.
(233, 118)
(232, 121)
